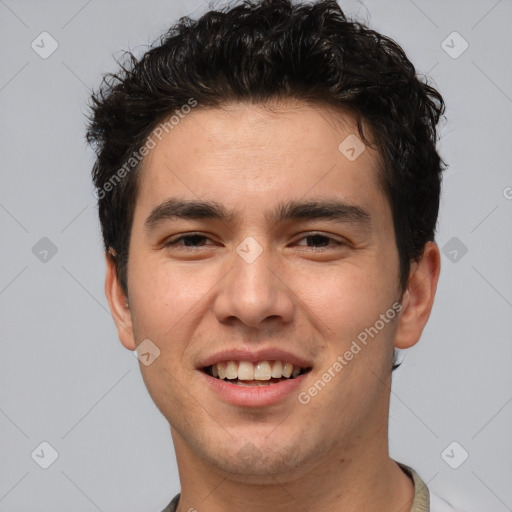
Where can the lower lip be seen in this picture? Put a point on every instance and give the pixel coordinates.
(255, 396)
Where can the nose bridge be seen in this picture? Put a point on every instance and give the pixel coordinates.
(252, 292)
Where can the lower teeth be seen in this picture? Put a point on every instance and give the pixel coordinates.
(254, 383)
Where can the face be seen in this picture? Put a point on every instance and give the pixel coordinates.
(291, 260)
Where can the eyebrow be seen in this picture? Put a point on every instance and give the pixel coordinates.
(326, 209)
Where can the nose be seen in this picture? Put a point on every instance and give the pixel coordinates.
(254, 293)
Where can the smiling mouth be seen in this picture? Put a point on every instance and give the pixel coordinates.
(262, 373)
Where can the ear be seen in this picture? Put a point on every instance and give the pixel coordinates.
(118, 303)
(419, 296)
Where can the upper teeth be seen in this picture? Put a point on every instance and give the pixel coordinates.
(262, 370)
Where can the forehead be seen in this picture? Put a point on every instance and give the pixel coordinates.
(248, 154)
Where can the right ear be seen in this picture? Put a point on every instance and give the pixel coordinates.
(118, 302)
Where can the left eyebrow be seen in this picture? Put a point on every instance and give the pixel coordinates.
(325, 209)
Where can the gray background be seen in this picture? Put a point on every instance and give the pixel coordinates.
(66, 379)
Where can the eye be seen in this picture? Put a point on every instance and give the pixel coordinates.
(194, 240)
(190, 240)
(320, 239)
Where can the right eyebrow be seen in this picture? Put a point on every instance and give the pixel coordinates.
(177, 208)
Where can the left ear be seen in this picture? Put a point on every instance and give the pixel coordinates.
(419, 296)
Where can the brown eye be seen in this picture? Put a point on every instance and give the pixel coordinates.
(189, 241)
(315, 239)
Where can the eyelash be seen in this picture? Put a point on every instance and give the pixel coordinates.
(175, 242)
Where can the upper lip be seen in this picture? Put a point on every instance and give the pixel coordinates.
(254, 356)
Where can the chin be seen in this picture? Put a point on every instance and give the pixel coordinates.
(264, 465)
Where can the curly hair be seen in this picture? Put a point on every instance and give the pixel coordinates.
(259, 51)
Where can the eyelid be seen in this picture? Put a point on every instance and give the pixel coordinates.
(335, 242)
(334, 238)
(176, 238)
(174, 241)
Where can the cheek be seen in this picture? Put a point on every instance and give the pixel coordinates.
(166, 300)
(347, 298)
(347, 306)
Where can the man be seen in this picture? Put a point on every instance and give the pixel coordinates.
(268, 187)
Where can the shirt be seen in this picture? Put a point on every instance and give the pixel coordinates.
(424, 500)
